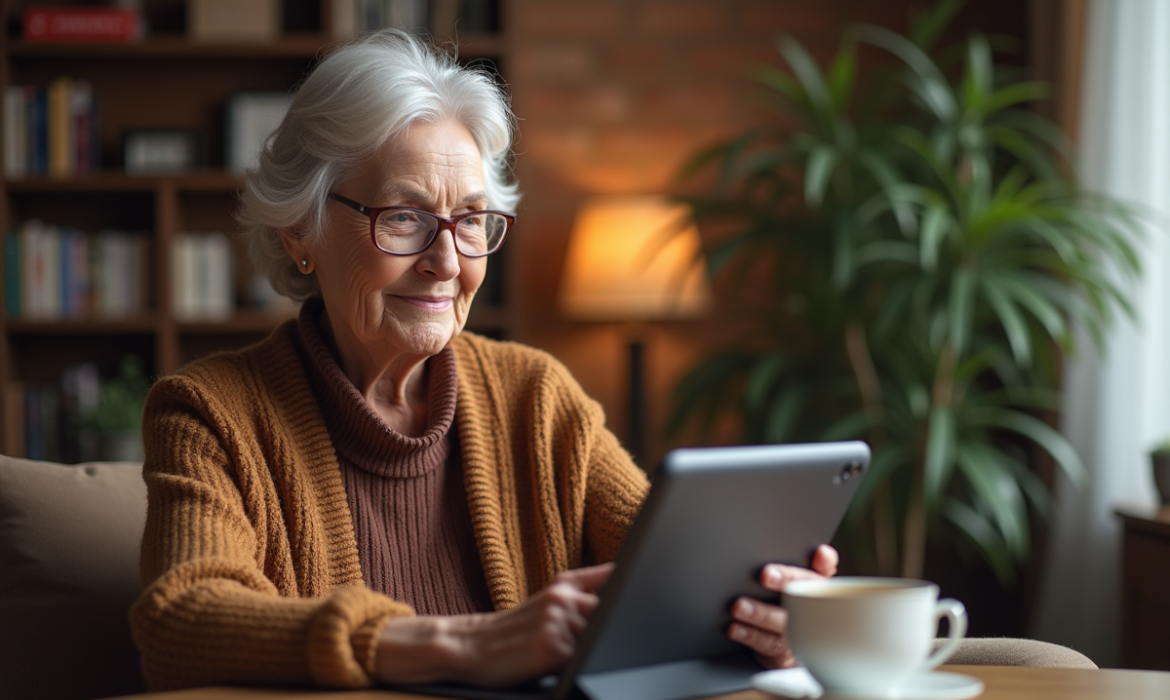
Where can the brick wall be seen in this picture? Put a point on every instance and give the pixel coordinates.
(612, 96)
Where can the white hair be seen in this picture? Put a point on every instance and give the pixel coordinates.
(358, 98)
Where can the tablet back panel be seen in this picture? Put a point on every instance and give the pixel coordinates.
(714, 517)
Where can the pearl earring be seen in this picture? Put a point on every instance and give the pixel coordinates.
(304, 263)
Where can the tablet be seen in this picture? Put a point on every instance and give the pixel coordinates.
(713, 518)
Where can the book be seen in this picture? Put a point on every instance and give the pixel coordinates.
(233, 20)
(80, 388)
(50, 289)
(86, 140)
(36, 123)
(15, 132)
(106, 25)
(140, 266)
(14, 427)
(34, 424)
(75, 273)
(117, 275)
(410, 15)
(251, 119)
(371, 13)
(37, 265)
(12, 274)
(62, 151)
(219, 300)
(346, 19)
(182, 277)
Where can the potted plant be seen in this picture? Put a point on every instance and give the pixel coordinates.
(117, 418)
(918, 254)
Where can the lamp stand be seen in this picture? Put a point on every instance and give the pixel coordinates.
(636, 406)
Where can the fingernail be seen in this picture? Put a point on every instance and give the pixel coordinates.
(738, 633)
(775, 578)
(746, 608)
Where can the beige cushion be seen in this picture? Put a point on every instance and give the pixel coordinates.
(69, 541)
(1006, 651)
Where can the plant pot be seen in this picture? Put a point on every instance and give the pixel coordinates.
(1161, 468)
(121, 447)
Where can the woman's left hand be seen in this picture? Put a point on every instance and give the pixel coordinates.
(762, 626)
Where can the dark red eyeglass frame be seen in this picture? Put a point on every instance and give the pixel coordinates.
(444, 223)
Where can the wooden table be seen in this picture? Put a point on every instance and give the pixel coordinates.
(1145, 587)
(1002, 683)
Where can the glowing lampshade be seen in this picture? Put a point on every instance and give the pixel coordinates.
(634, 259)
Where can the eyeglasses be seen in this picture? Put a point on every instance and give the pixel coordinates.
(407, 231)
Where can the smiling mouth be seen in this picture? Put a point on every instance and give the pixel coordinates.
(428, 303)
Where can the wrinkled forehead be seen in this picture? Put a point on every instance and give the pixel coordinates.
(430, 163)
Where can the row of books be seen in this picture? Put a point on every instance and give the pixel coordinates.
(47, 419)
(52, 131)
(88, 24)
(202, 277)
(439, 17)
(58, 421)
(55, 272)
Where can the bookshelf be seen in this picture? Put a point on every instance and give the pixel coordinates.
(164, 81)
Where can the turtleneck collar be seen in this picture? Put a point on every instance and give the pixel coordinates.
(359, 434)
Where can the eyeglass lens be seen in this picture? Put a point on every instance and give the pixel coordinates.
(398, 231)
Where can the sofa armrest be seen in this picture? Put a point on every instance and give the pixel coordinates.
(69, 547)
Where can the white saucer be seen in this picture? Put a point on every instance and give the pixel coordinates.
(936, 685)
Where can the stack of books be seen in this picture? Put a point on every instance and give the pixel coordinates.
(51, 131)
(59, 272)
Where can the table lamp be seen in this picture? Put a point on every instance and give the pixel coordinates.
(634, 259)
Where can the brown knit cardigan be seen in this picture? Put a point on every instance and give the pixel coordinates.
(249, 561)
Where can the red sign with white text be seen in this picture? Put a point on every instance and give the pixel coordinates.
(105, 25)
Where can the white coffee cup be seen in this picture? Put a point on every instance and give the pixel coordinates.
(864, 637)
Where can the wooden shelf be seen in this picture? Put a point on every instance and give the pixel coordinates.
(118, 181)
(147, 323)
(241, 322)
(294, 46)
(303, 46)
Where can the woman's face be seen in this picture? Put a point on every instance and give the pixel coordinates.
(383, 305)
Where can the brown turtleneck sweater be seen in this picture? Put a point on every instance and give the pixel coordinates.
(405, 493)
(250, 562)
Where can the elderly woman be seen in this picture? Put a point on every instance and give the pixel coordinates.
(369, 494)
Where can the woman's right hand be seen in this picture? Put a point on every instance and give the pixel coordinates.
(493, 649)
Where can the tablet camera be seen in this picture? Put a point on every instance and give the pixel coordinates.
(848, 472)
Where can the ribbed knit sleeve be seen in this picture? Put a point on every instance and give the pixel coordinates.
(549, 486)
(248, 558)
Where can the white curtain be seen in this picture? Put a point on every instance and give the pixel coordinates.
(1117, 402)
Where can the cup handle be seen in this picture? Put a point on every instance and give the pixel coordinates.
(956, 614)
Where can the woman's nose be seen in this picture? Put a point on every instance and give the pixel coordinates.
(441, 259)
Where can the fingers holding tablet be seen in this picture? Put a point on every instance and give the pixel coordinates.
(762, 626)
